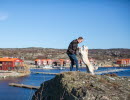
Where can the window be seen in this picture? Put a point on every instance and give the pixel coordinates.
(17, 63)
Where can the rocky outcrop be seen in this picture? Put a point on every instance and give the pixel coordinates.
(83, 86)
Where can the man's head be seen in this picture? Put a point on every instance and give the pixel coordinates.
(80, 39)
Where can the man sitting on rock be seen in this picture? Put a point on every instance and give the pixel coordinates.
(71, 52)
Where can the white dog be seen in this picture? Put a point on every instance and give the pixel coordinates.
(83, 52)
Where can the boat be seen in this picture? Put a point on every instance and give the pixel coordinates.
(61, 68)
(47, 67)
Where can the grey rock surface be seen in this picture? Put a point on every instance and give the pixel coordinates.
(83, 86)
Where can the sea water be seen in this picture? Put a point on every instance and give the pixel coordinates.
(15, 93)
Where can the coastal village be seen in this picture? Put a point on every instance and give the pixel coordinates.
(16, 67)
(21, 60)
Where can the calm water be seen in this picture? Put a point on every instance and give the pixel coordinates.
(16, 93)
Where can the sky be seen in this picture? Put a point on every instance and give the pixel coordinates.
(103, 24)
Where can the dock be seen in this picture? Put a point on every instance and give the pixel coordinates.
(45, 73)
(110, 71)
(24, 86)
(97, 73)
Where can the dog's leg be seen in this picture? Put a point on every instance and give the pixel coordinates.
(89, 67)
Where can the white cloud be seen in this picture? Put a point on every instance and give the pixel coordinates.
(3, 17)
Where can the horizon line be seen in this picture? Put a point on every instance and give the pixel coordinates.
(57, 48)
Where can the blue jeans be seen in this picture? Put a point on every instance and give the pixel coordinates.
(74, 61)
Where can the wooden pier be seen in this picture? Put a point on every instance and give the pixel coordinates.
(99, 72)
(110, 71)
(24, 86)
(45, 73)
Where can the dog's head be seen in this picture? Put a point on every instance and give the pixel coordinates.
(84, 48)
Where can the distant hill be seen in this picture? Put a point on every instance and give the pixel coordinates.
(31, 53)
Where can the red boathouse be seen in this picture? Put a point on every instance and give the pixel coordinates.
(10, 63)
(123, 62)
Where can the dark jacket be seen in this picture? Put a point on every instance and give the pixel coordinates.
(73, 46)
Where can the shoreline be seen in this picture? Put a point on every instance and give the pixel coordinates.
(8, 74)
(74, 66)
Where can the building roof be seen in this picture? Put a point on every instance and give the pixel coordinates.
(48, 59)
(37, 59)
(122, 59)
(61, 59)
(43, 60)
(9, 59)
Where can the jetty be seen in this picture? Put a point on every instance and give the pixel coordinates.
(24, 86)
(98, 72)
(110, 71)
(45, 73)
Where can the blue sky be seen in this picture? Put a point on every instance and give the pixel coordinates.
(104, 24)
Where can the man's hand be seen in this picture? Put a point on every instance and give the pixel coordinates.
(79, 48)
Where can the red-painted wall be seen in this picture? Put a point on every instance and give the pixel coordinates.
(7, 64)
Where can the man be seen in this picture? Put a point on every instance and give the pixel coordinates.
(71, 52)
